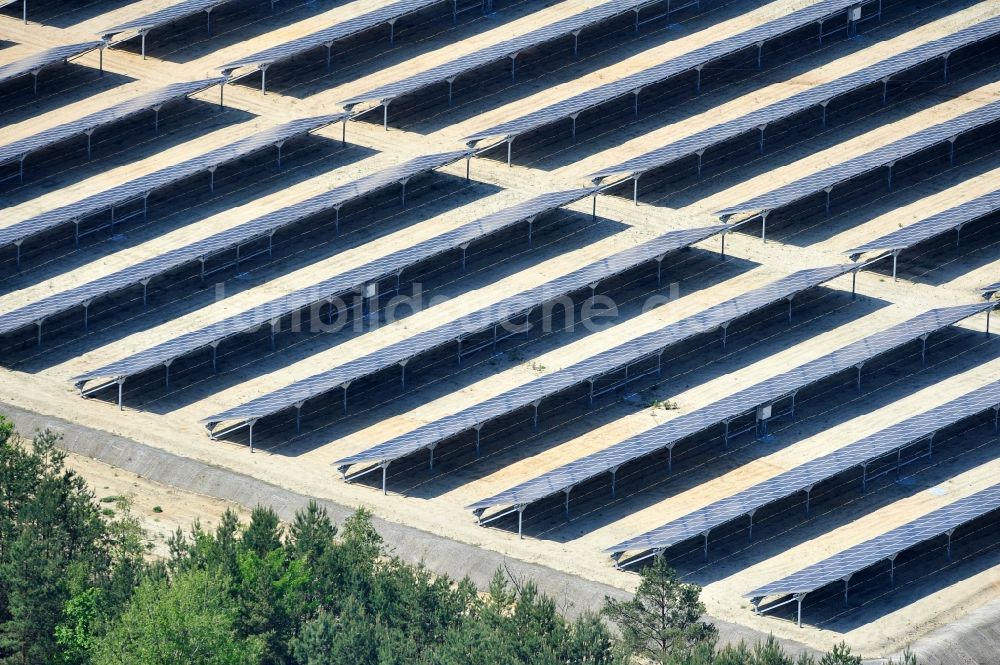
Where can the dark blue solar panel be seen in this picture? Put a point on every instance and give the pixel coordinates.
(785, 108)
(228, 239)
(342, 283)
(665, 436)
(18, 149)
(163, 16)
(594, 366)
(128, 191)
(804, 476)
(476, 321)
(325, 37)
(500, 51)
(935, 225)
(988, 291)
(35, 62)
(663, 71)
(844, 564)
(869, 161)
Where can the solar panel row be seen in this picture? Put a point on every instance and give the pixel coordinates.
(988, 291)
(345, 282)
(634, 83)
(885, 547)
(261, 60)
(259, 228)
(643, 346)
(141, 187)
(449, 71)
(952, 219)
(805, 476)
(765, 393)
(883, 156)
(151, 101)
(141, 26)
(821, 95)
(485, 318)
(34, 63)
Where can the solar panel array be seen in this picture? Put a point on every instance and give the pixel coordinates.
(38, 61)
(324, 37)
(771, 390)
(935, 225)
(496, 52)
(149, 101)
(805, 476)
(608, 360)
(663, 71)
(258, 228)
(475, 321)
(341, 283)
(142, 186)
(869, 161)
(163, 16)
(601, 361)
(880, 548)
(797, 103)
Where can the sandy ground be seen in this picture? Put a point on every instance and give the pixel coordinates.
(436, 502)
(160, 508)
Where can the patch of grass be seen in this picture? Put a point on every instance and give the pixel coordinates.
(665, 404)
(157, 509)
(114, 498)
(108, 512)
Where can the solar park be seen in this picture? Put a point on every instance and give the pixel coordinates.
(613, 280)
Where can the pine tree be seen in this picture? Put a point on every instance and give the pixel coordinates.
(662, 622)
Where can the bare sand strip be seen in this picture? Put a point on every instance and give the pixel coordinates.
(808, 449)
(848, 150)
(776, 92)
(430, 318)
(197, 231)
(620, 70)
(904, 216)
(106, 180)
(339, 263)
